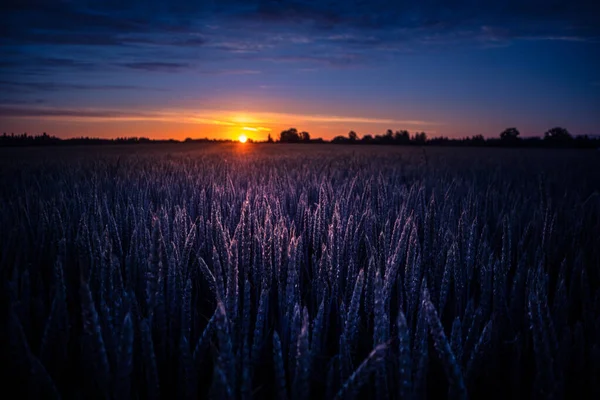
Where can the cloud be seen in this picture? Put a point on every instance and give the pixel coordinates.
(12, 102)
(161, 66)
(19, 87)
(165, 39)
(231, 72)
(562, 38)
(65, 63)
(354, 39)
(241, 47)
(18, 112)
(44, 37)
(126, 23)
(256, 129)
(68, 38)
(100, 115)
(332, 59)
(258, 121)
(156, 66)
(359, 120)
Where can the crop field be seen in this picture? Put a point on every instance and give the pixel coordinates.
(299, 272)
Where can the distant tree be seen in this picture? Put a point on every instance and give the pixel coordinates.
(557, 134)
(420, 138)
(510, 134)
(339, 139)
(269, 139)
(352, 136)
(367, 139)
(402, 137)
(305, 136)
(289, 136)
(587, 142)
(387, 137)
(478, 139)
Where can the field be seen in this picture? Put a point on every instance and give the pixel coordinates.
(300, 272)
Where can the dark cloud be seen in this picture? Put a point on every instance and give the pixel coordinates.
(545, 16)
(68, 38)
(104, 23)
(333, 60)
(20, 87)
(241, 47)
(156, 66)
(81, 35)
(230, 72)
(65, 63)
(9, 111)
(12, 102)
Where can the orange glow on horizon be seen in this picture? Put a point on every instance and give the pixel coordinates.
(185, 123)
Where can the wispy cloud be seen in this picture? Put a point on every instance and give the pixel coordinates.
(247, 46)
(357, 120)
(230, 72)
(256, 122)
(256, 129)
(20, 87)
(187, 36)
(156, 66)
(562, 38)
(331, 59)
(270, 24)
(77, 114)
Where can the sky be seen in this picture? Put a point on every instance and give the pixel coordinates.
(223, 68)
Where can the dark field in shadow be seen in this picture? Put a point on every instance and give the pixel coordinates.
(299, 271)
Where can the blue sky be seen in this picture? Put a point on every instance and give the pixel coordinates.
(221, 68)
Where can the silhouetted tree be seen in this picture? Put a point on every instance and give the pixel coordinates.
(510, 134)
(289, 136)
(305, 136)
(402, 137)
(557, 134)
(420, 138)
(478, 140)
(555, 137)
(386, 138)
(367, 139)
(340, 140)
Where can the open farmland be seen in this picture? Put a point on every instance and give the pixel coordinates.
(300, 272)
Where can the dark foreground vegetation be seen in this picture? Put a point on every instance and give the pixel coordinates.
(303, 273)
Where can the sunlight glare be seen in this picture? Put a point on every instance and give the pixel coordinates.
(242, 138)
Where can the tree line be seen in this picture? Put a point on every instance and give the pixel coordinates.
(510, 137)
(44, 139)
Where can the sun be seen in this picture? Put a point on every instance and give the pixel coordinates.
(243, 139)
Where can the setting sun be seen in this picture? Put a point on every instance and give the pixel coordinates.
(242, 138)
